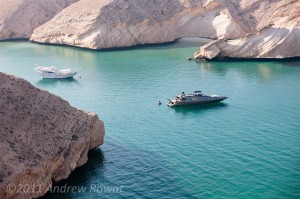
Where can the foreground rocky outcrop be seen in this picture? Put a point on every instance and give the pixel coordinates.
(18, 18)
(43, 138)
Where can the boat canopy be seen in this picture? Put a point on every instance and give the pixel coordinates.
(54, 73)
(46, 69)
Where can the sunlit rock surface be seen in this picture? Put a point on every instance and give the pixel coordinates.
(18, 18)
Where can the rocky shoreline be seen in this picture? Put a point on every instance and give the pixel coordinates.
(43, 138)
(243, 29)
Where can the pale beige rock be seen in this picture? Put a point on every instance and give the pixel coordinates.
(43, 138)
(208, 51)
(269, 43)
(18, 18)
(273, 32)
(243, 28)
(101, 24)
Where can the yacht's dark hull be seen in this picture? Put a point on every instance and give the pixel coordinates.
(195, 102)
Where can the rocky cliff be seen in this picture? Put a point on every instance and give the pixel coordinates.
(101, 24)
(18, 18)
(42, 140)
(273, 31)
(242, 28)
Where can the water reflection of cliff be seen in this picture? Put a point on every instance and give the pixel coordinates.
(64, 51)
(263, 70)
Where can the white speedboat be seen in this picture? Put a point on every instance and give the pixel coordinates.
(54, 73)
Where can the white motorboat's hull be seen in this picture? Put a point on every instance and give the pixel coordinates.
(57, 76)
(53, 73)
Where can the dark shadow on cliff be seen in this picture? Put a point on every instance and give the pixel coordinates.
(14, 39)
(125, 48)
(134, 47)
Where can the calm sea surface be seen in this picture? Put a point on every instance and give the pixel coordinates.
(246, 147)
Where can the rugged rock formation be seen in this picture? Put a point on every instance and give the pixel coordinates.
(243, 28)
(251, 29)
(18, 18)
(273, 32)
(100, 24)
(43, 138)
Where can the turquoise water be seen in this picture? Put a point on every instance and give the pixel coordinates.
(246, 147)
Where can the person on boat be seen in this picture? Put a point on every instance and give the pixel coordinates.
(183, 96)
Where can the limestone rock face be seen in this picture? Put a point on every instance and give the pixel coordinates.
(273, 32)
(18, 18)
(101, 24)
(270, 43)
(42, 138)
(209, 51)
(242, 28)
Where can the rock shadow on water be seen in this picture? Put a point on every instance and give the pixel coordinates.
(79, 177)
(292, 62)
(131, 172)
(265, 70)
